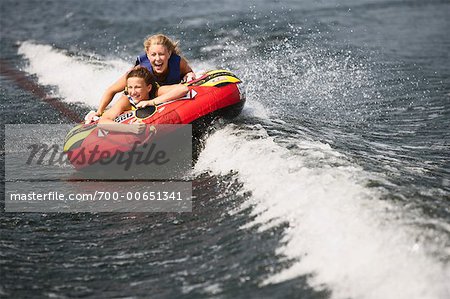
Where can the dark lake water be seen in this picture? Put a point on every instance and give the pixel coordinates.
(333, 183)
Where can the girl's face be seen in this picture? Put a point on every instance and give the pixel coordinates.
(159, 58)
(137, 89)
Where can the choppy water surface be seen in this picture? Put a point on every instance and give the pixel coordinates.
(333, 183)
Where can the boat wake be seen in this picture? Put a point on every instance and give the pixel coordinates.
(340, 234)
(74, 78)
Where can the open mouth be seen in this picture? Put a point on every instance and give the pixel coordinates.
(136, 97)
(158, 66)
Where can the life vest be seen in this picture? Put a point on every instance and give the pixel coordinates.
(174, 75)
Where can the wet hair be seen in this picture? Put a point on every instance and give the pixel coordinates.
(161, 39)
(142, 72)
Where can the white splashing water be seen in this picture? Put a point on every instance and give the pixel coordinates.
(339, 230)
(76, 79)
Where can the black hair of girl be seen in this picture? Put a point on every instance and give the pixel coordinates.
(142, 72)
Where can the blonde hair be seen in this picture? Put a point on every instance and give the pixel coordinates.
(161, 39)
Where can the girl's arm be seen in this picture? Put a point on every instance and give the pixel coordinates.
(110, 92)
(166, 93)
(120, 106)
(186, 71)
(107, 120)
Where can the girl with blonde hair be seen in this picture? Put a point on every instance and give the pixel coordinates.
(162, 59)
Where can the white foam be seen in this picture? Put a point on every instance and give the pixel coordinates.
(339, 230)
(255, 109)
(77, 79)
